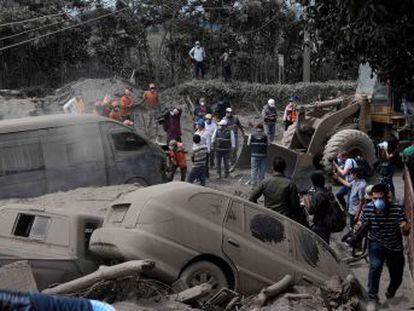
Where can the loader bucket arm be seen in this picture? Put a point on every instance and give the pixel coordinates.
(328, 125)
(298, 166)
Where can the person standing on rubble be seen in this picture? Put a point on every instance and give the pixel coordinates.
(172, 124)
(201, 110)
(199, 160)
(269, 115)
(198, 55)
(226, 64)
(233, 123)
(205, 141)
(152, 104)
(223, 141)
(75, 105)
(258, 142)
(115, 113)
(386, 222)
(280, 193)
(211, 127)
(290, 115)
(127, 103)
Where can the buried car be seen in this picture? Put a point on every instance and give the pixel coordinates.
(198, 234)
(54, 242)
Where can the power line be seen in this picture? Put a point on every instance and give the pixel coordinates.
(60, 30)
(30, 19)
(29, 31)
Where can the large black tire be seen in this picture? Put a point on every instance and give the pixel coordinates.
(353, 141)
(205, 271)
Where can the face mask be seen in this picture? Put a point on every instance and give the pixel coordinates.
(379, 204)
(202, 104)
(208, 121)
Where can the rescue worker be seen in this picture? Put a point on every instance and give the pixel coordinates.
(127, 104)
(103, 108)
(75, 105)
(152, 104)
(290, 115)
(198, 54)
(269, 115)
(233, 123)
(115, 113)
(258, 142)
(280, 193)
(176, 159)
(211, 127)
(223, 141)
(201, 110)
(199, 160)
(387, 223)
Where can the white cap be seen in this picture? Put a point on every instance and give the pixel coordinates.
(197, 42)
(229, 110)
(223, 122)
(271, 102)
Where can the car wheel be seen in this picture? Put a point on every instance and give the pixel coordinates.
(204, 272)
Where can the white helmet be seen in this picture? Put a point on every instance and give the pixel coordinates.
(223, 123)
(271, 102)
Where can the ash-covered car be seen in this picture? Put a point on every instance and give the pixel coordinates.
(199, 234)
(54, 242)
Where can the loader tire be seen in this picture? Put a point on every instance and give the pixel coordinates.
(289, 139)
(353, 141)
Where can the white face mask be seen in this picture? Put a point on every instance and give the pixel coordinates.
(202, 104)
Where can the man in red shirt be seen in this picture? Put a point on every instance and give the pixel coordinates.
(127, 103)
(152, 103)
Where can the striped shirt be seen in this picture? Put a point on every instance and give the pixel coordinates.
(199, 156)
(385, 227)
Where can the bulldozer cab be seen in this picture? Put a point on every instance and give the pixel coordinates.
(386, 105)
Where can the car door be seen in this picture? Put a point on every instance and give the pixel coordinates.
(317, 261)
(258, 244)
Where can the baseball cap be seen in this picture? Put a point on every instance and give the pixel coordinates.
(229, 110)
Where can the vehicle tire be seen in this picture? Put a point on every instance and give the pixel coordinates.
(354, 141)
(288, 139)
(205, 271)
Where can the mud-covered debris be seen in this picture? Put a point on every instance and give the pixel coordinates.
(17, 277)
(194, 293)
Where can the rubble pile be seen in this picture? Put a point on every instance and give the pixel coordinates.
(244, 93)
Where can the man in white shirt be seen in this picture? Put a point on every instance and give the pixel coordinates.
(211, 127)
(198, 55)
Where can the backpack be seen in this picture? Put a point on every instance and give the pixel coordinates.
(366, 169)
(336, 218)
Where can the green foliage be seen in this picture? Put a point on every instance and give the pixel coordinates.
(378, 32)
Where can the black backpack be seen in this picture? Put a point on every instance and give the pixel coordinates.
(336, 218)
(366, 169)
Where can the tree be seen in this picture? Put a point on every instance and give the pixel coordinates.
(380, 32)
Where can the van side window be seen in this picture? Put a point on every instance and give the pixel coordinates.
(127, 141)
(31, 226)
(88, 230)
(21, 158)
